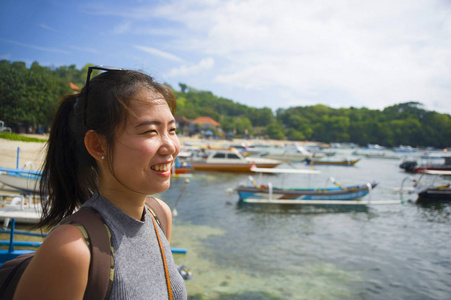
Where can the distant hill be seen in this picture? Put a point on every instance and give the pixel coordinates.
(28, 97)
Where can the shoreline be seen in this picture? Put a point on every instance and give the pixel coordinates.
(31, 154)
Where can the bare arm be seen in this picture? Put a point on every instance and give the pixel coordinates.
(59, 270)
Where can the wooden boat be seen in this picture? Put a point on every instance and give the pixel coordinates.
(11, 253)
(19, 207)
(344, 162)
(431, 186)
(266, 193)
(292, 152)
(433, 191)
(23, 180)
(438, 193)
(230, 160)
(382, 154)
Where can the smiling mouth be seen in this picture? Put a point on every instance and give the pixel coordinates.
(162, 167)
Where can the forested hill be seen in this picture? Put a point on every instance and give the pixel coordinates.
(29, 96)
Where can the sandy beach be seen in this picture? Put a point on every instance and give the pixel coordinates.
(33, 153)
(29, 153)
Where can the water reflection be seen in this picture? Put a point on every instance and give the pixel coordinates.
(436, 211)
(299, 209)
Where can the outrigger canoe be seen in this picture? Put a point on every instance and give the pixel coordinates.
(431, 190)
(26, 181)
(344, 162)
(266, 193)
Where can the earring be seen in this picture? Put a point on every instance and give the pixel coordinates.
(102, 157)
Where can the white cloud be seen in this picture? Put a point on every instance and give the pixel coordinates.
(375, 53)
(159, 53)
(122, 28)
(47, 27)
(340, 53)
(184, 70)
(45, 49)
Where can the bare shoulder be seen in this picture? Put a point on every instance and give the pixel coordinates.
(168, 213)
(64, 242)
(166, 208)
(59, 268)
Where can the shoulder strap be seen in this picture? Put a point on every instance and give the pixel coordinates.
(163, 258)
(158, 212)
(102, 259)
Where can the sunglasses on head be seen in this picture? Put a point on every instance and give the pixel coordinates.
(88, 78)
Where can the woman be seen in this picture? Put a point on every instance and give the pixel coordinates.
(110, 146)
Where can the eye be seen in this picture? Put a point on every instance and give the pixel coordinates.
(173, 130)
(150, 131)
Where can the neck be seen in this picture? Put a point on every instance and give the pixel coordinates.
(130, 203)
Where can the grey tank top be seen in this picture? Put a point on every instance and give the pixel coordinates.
(138, 271)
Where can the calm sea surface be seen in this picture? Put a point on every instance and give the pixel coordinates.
(398, 251)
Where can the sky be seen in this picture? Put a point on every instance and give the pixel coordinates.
(260, 53)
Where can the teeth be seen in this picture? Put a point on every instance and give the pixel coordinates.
(161, 168)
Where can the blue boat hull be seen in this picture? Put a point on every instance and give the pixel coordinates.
(333, 193)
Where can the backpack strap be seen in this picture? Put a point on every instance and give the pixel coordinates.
(158, 213)
(101, 268)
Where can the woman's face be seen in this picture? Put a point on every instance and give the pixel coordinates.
(145, 150)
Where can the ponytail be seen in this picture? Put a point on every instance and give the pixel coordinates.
(64, 185)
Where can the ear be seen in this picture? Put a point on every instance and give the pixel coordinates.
(95, 144)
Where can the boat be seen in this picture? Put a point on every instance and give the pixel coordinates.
(244, 149)
(375, 147)
(438, 193)
(293, 152)
(26, 181)
(405, 149)
(433, 188)
(344, 162)
(446, 166)
(428, 165)
(377, 154)
(263, 150)
(266, 193)
(180, 167)
(19, 207)
(3, 128)
(10, 252)
(230, 160)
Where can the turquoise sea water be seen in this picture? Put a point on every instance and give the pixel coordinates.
(335, 252)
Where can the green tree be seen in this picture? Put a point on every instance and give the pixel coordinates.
(243, 126)
(294, 135)
(275, 131)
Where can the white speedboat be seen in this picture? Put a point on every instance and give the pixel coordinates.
(230, 160)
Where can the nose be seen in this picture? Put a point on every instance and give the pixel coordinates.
(169, 145)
